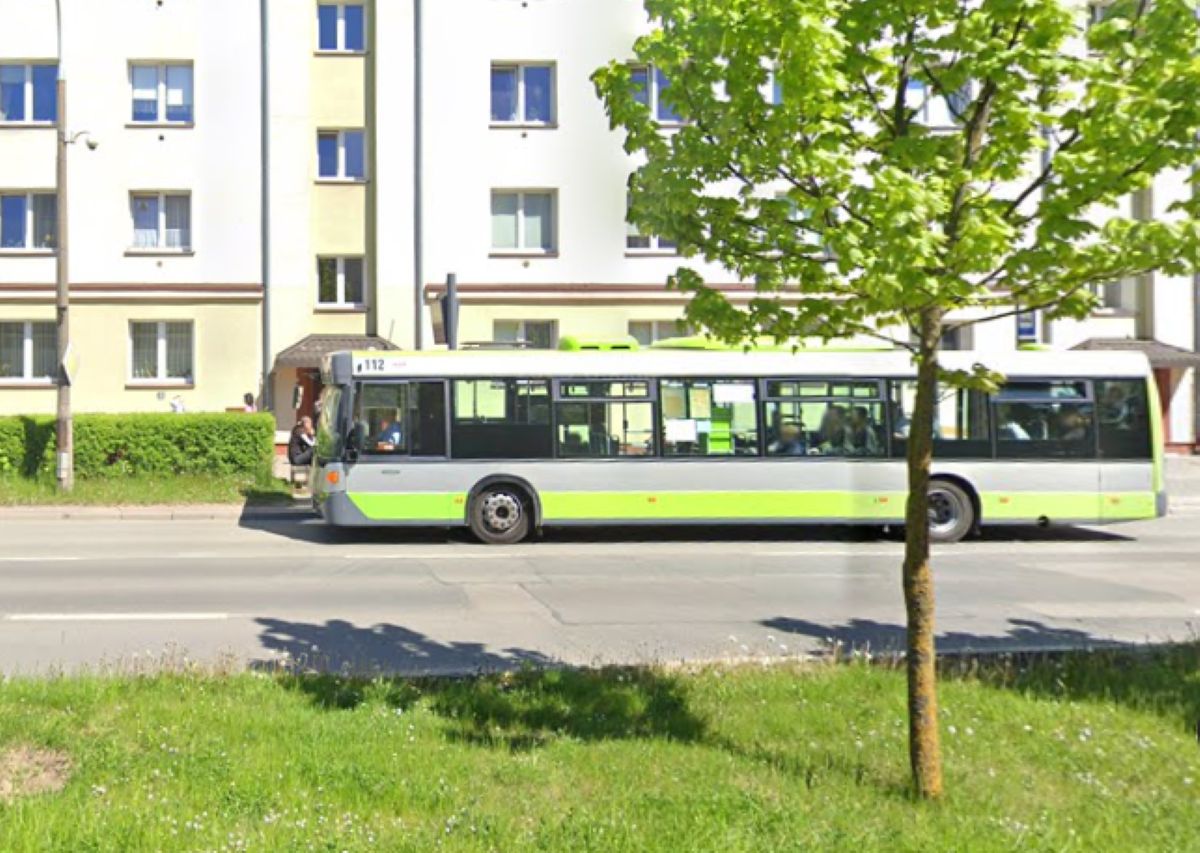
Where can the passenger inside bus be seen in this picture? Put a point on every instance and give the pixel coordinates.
(861, 439)
(790, 441)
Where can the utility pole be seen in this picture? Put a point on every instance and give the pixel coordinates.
(65, 432)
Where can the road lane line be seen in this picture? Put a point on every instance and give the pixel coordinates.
(38, 559)
(115, 617)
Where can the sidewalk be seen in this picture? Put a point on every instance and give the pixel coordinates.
(192, 512)
(1183, 480)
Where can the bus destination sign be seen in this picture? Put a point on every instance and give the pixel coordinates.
(377, 365)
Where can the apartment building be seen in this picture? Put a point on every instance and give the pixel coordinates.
(338, 160)
(166, 291)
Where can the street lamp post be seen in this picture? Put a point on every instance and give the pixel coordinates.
(64, 432)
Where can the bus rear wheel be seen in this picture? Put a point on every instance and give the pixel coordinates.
(951, 512)
(500, 515)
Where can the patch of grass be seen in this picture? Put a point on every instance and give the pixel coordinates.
(145, 490)
(1096, 752)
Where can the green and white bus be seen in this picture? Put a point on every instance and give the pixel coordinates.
(507, 442)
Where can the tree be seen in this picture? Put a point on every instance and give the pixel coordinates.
(889, 225)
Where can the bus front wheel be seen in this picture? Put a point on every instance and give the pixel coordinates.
(500, 515)
(951, 512)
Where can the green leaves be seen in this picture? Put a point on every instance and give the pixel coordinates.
(863, 162)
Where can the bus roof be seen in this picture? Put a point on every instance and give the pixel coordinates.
(651, 362)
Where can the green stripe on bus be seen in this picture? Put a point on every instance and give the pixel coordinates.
(578, 506)
(410, 506)
(863, 506)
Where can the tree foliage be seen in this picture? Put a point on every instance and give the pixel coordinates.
(810, 162)
(1015, 204)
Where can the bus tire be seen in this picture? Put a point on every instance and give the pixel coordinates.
(951, 511)
(500, 514)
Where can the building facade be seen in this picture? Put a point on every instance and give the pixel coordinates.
(280, 178)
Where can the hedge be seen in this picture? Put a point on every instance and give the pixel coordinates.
(155, 444)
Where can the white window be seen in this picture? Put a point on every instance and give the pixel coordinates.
(637, 242)
(646, 332)
(523, 221)
(1118, 296)
(161, 93)
(523, 94)
(28, 221)
(341, 27)
(650, 87)
(341, 282)
(28, 93)
(934, 110)
(162, 221)
(535, 334)
(342, 155)
(160, 352)
(28, 351)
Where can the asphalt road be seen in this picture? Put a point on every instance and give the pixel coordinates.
(124, 594)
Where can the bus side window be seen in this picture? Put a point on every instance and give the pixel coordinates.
(1049, 420)
(501, 419)
(1123, 418)
(960, 421)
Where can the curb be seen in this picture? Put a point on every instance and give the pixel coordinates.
(160, 513)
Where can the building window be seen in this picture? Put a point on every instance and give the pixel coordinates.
(160, 352)
(523, 94)
(535, 334)
(341, 27)
(650, 86)
(162, 221)
(342, 155)
(28, 351)
(28, 220)
(1117, 297)
(28, 93)
(636, 241)
(341, 282)
(162, 93)
(646, 332)
(937, 111)
(523, 221)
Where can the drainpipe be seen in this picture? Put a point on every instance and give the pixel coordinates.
(1195, 332)
(371, 238)
(418, 184)
(265, 199)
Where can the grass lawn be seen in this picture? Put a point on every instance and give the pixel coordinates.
(142, 490)
(1097, 752)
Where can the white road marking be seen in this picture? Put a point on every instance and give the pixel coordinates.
(38, 559)
(115, 617)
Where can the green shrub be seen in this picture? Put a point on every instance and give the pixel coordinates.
(155, 444)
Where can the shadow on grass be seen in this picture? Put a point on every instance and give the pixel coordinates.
(1040, 660)
(516, 699)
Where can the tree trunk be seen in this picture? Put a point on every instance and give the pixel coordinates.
(924, 747)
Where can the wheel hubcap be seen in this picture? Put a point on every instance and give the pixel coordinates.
(501, 511)
(943, 511)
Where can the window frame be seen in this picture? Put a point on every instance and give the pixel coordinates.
(160, 379)
(453, 419)
(29, 100)
(31, 223)
(651, 398)
(27, 379)
(765, 398)
(161, 106)
(523, 121)
(655, 247)
(160, 247)
(341, 177)
(652, 94)
(524, 338)
(340, 32)
(681, 328)
(521, 250)
(340, 283)
(760, 430)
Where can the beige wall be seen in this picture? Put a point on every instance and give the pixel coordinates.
(225, 357)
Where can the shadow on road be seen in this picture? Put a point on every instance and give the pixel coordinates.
(518, 698)
(304, 527)
(341, 647)
(885, 638)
